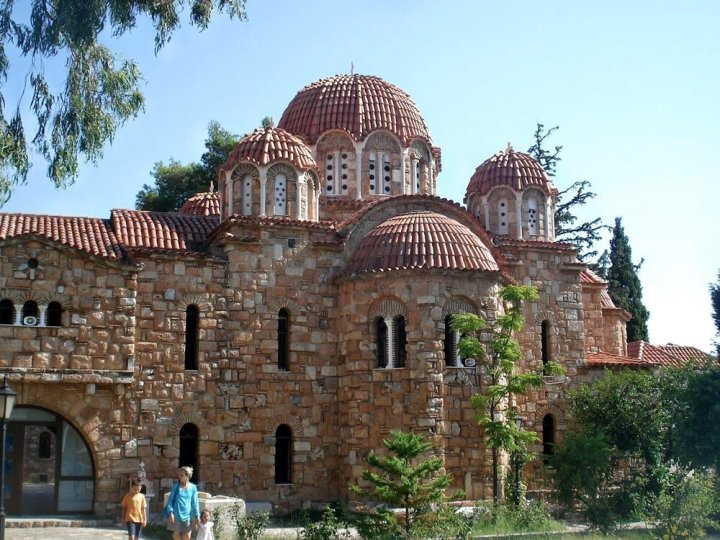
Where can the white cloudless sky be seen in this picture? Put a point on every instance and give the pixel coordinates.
(634, 87)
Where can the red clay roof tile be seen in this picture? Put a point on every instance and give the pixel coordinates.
(206, 203)
(516, 170)
(420, 239)
(359, 104)
(605, 359)
(269, 145)
(173, 231)
(92, 235)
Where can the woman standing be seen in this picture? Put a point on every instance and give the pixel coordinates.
(183, 507)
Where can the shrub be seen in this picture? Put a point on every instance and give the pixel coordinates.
(248, 526)
(685, 504)
(325, 529)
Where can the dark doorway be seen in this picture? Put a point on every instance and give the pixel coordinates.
(189, 450)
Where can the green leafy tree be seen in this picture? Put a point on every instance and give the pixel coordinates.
(175, 182)
(75, 120)
(567, 227)
(584, 465)
(498, 362)
(698, 420)
(404, 481)
(624, 284)
(715, 301)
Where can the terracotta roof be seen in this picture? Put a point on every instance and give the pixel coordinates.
(206, 203)
(685, 354)
(359, 104)
(92, 235)
(159, 230)
(516, 170)
(607, 301)
(605, 359)
(642, 350)
(507, 241)
(269, 145)
(588, 276)
(420, 239)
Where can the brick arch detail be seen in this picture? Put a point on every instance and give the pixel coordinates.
(13, 296)
(276, 421)
(202, 302)
(555, 411)
(387, 306)
(459, 304)
(545, 316)
(191, 417)
(276, 304)
(83, 417)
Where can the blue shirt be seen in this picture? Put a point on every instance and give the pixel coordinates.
(183, 503)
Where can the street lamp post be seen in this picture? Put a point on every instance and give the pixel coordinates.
(7, 402)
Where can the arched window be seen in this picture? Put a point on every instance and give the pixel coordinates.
(400, 341)
(548, 434)
(247, 195)
(532, 216)
(283, 339)
(452, 340)
(189, 450)
(280, 194)
(30, 313)
(283, 455)
(502, 217)
(545, 343)
(7, 312)
(374, 181)
(54, 314)
(381, 347)
(192, 324)
(387, 175)
(45, 445)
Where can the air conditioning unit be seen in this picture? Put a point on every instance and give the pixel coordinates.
(30, 320)
(469, 362)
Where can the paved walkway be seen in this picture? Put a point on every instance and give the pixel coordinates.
(65, 533)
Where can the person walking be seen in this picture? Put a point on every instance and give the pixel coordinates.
(205, 531)
(134, 510)
(183, 507)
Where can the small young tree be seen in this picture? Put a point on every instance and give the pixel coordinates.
(715, 301)
(498, 361)
(404, 481)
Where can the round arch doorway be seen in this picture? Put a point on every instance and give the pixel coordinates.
(48, 466)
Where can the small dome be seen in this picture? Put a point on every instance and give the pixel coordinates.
(421, 240)
(268, 145)
(358, 104)
(516, 170)
(206, 203)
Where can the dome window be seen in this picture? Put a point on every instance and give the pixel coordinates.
(247, 195)
(280, 195)
(532, 216)
(502, 217)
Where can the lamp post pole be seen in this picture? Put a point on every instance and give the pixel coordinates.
(7, 402)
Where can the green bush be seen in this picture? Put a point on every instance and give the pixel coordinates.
(327, 528)
(685, 504)
(248, 526)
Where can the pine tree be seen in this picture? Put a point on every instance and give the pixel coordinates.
(624, 284)
(715, 300)
(405, 480)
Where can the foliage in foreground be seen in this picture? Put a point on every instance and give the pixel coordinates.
(498, 363)
(329, 527)
(77, 117)
(248, 526)
(404, 481)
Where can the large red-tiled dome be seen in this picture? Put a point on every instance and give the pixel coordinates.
(358, 104)
(268, 145)
(206, 203)
(516, 170)
(421, 240)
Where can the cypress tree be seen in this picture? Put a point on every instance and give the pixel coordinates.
(624, 284)
(715, 300)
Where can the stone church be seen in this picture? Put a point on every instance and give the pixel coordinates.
(275, 330)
